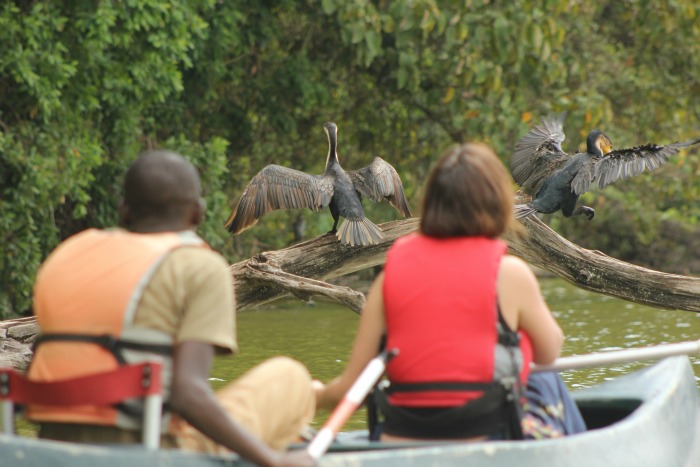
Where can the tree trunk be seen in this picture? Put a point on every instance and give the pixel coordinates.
(16, 338)
(593, 270)
(321, 258)
(324, 258)
(301, 270)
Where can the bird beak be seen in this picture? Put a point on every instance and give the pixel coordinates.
(604, 145)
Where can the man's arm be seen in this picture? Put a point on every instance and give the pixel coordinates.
(193, 399)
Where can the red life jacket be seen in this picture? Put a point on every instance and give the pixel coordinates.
(441, 313)
(85, 298)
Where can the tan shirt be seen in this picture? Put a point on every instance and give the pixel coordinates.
(191, 297)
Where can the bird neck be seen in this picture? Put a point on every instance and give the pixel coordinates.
(598, 144)
(332, 158)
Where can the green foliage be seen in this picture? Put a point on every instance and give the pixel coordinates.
(236, 85)
(77, 82)
(210, 159)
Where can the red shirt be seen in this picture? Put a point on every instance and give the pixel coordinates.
(440, 304)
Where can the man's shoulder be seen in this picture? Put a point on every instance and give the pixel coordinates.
(193, 265)
(197, 255)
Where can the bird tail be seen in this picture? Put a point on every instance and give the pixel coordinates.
(359, 232)
(521, 211)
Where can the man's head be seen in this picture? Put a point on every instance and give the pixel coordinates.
(161, 193)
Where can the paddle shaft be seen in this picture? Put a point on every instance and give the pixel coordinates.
(351, 401)
(621, 356)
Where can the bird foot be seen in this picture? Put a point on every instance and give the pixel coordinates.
(585, 210)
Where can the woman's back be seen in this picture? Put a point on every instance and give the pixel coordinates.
(440, 307)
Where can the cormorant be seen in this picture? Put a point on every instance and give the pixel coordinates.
(556, 179)
(277, 187)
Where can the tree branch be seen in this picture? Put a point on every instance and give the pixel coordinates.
(259, 270)
(301, 270)
(593, 270)
(321, 258)
(324, 258)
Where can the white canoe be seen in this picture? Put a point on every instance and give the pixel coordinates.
(648, 418)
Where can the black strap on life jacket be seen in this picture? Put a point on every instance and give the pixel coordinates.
(438, 386)
(497, 410)
(498, 396)
(481, 416)
(107, 342)
(115, 347)
(511, 341)
(506, 336)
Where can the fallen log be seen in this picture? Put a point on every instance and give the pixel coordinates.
(324, 258)
(303, 269)
(321, 258)
(16, 339)
(595, 271)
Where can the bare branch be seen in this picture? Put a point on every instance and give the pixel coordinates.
(257, 272)
(597, 272)
(301, 270)
(324, 258)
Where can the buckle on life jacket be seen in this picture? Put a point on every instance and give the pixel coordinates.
(107, 342)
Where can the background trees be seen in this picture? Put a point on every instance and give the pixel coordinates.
(236, 85)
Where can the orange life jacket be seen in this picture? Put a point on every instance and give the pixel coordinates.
(90, 288)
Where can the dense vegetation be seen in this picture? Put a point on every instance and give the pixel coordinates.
(236, 85)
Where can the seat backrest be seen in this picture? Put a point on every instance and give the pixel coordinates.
(101, 389)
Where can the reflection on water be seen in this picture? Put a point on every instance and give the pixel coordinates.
(596, 323)
(321, 336)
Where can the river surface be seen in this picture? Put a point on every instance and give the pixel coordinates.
(321, 335)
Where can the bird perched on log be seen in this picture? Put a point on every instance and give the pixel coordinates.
(555, 179)
(276, 187)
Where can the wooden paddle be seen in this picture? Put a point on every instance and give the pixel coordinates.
(656, 352)
(350, 403)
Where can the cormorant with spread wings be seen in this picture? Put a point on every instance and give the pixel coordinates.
(277, 187)
(555, 179)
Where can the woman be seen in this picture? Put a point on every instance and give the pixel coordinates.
(450, 300)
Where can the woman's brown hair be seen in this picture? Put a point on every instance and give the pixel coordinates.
(469, 193)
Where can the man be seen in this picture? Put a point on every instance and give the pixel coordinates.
(159, 290)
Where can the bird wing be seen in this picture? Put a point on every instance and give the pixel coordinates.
(623, 164)
(277, 187)
(380, 181)
(538, 152)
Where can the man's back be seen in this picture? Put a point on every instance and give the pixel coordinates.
(149, 289)
(179, 296)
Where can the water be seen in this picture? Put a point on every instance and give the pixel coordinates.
(594, 322)
(321, 336)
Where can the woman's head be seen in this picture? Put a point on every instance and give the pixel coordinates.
(469, 193)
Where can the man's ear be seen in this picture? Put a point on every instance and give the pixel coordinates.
(124, 214)
(200, 208)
